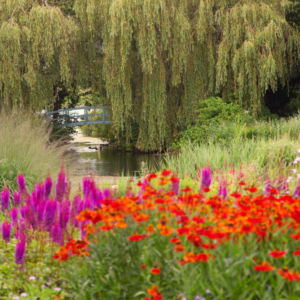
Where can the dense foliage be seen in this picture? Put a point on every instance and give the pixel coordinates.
(153, 61)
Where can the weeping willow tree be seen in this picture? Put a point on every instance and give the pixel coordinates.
(151, 60)
(160, 57)
(37, 49)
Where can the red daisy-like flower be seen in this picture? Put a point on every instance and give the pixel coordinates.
(277, 253)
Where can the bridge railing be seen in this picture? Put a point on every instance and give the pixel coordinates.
(79, 116)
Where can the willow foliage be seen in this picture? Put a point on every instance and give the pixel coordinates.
(162, 56)
(36, 48)
(152, 60)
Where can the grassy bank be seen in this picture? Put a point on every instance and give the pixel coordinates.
(265, 149)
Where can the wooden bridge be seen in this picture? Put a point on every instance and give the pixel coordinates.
(79, 116)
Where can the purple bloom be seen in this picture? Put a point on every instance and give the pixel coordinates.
(47, 186)
(17, 198)
(85, 186)
(206, 178)
(6, 230)
(268, 187)
(14, 215)
(297, 192)
(20, 252)
(74, 210)
(24, 211)
(64, 214)
(56, 234)
(5, 198)
(223, 189)
(21, 183)
(49, 213)
(61, 185)
(106, 193)
(40, 211)
(87, 204)
(175, 185)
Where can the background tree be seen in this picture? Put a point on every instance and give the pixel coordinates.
(160, 57)
(37, 44)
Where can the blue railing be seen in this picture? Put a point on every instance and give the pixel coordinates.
(79, 116)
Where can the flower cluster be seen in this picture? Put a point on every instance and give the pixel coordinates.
(193, 224)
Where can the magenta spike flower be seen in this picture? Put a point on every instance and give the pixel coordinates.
(61, 185)
(85, 186)
(56, 233)
(20, 252)
(206, 178)
(64, 214)
(175, 185)
(268, 187)
(6, 230)
(21, 183)
(40, 211)
(47, 186)
(106, 193)
(24, 211)
(17, 198)
(49, 213)
(14, 215)
(5, 198)
(74, 210)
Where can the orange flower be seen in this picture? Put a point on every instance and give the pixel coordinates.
(150, 228)
(277, 253)
(289, 275)
(166, 231)
(264, 267)
(140, 217)
(155, 271)
(179, 248)
(121, 224)
(154, 292)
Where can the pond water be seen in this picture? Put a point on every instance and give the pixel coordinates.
(109, 161)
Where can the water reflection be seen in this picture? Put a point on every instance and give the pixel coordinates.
(110, 162)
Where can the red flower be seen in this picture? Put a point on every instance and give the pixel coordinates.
(166, 172)
(139, 184)
(175, 240)
(187, 189)
(289, 275)
(241, 183)
(206, 190)
(252, 189)
(264, 267)
(155, 271)
(143, 266)
(136, 237)
(235, 195)
(297, 252)
(273, 191)
(296, 237)
(198, 220)
(277, 253)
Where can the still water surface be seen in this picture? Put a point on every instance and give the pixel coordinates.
(109, 161)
